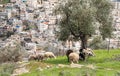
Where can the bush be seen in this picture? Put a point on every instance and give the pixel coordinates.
(11, 54)
(98, 43)
(6, 69)
(4, 1)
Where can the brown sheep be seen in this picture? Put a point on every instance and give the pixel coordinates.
(40, 56)
(32, 57)
(74, 57)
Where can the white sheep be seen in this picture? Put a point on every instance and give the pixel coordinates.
(49, 55)
(87, 53)
(74, 57)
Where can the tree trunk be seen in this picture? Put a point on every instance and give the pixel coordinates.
(83, 46)
(108, 48)
(83, 42)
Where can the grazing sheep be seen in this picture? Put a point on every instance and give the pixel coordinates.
(37, 57)
(74, 57)
(86, 53)
(90, 52)
(68, 53)
(81, 55)
(40, 56)
(49, 55)
(32, 57)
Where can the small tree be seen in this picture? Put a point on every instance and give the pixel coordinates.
(80, 18)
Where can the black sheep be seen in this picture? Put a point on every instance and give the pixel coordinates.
(68, 53)
(81, 55)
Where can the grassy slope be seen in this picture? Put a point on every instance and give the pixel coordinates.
(106, 66)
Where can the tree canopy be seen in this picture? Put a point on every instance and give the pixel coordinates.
(81, 17)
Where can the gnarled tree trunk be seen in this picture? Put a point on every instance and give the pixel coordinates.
(83, 46)
(83, 41)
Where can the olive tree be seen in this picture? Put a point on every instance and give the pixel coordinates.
(80, 18)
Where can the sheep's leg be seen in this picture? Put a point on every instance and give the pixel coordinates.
(68, 59)
(35, 59)
(82, 56)
(55, 57)
(77, 61)
(38, 59)
(86, 57)
(71, 61)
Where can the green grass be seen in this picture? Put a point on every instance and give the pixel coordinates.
(72, 72)
(104, 62)
(59, 60)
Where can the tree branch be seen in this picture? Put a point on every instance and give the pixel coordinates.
(70, 26)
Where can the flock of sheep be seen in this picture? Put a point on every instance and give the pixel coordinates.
(41, 56)
(83, 54)
(73, 57)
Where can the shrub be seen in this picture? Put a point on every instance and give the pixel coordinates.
(4, 1)
(6, 69)
(11, 54)
(98, 43)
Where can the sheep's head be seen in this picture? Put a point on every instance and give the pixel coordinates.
(68, 52)
(88, 52)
